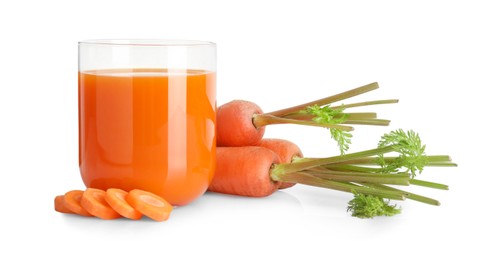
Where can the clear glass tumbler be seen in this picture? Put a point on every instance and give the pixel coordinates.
(147, 115)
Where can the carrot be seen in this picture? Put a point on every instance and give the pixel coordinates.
(59, 205)
(238, 114)
(242, 123)
(116, 199)
(72, 202)
(286, 150)
(93, 200)
(255, 171)
(244, 171)
(149, 204)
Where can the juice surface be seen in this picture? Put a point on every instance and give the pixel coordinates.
(150, 129)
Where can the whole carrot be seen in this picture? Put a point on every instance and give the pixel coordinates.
(255, 171)
(242, 123)
(244, 171)
(287, 152)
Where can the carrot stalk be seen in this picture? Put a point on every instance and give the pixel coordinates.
(409, 195)
(307, 164)
(306, 116)
(368, 121)
(432, 160)
(264, 119)
(328, 100)
(367, 103)
(429, 184)
(384, 178)
(308, 179)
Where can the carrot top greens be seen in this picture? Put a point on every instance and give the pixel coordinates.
(328, 115)
(369, 206)
(412, 156)
(319, 113)
(368, 174)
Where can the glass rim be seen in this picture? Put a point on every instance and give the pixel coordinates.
(146, 42)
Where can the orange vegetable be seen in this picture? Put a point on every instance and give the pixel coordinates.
(72, 202)
(234, 126)
(242, 123)
(93, 200)
(149, 204)
(244, 171)
(116, 199)
(286, 150)
(59, 205)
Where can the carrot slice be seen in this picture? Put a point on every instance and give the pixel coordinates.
(116, 199)
(59, 205)
(149, 204)
(72, 201)
(93, 200)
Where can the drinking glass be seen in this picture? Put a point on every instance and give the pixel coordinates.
(147, 116)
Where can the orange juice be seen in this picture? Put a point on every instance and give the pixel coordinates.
(150, 129)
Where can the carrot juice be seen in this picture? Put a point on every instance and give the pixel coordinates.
(150, 129)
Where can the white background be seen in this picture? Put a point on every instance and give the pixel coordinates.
(438, 57)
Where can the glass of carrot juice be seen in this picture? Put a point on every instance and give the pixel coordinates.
(147, 115)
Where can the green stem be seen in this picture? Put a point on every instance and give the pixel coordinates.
(429, 184)
(324, 169)
(394, 179)
(260, 120)
(367, 103)
(442, 164)
(432, 160)
(354, 168)
(409, 195)
(327, 100)
(375, 121)
(360, 115)
(282, 169)
(307, 179)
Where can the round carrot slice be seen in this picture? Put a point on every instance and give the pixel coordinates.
(93, 200)
(59, 205)
(116, 199)
(72, 201)
(149, 204)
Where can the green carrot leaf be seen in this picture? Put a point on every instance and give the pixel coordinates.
(369, 206)
(328, 115)
(343, 139)
(412, 157)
